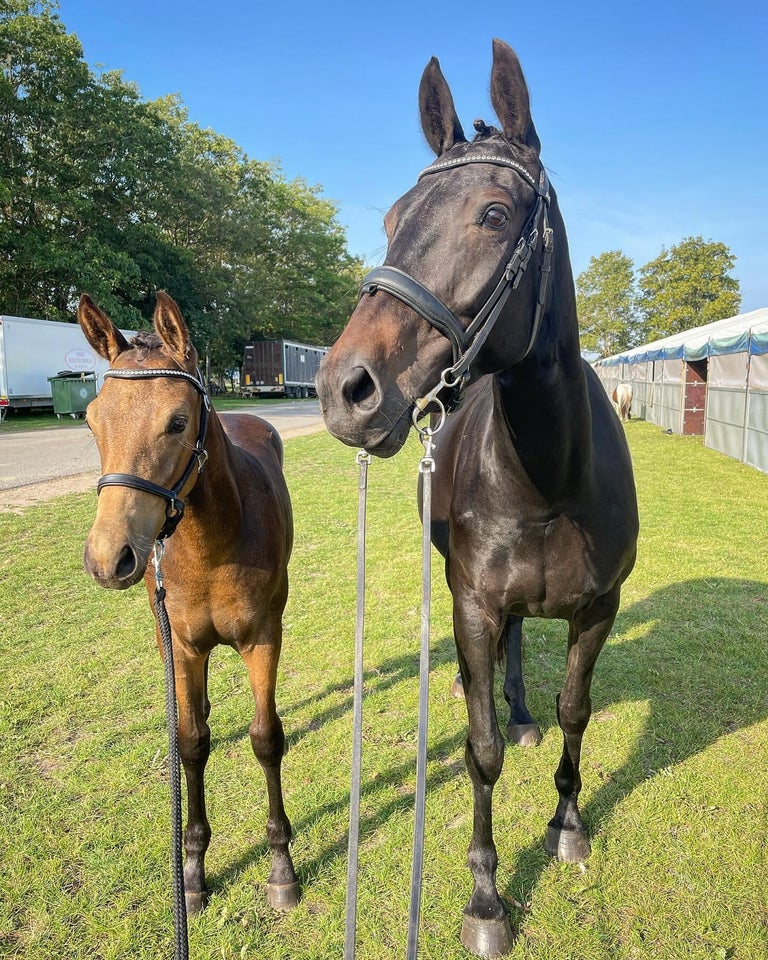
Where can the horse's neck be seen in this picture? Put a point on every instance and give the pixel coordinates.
(542, 404)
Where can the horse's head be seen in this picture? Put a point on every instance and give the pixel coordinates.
(452, 239)
(148, 421)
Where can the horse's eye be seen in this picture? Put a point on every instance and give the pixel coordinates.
(495, 217)
(177, 425)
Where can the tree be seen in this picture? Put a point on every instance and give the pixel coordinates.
(606, 302)
(104, 192)
(687, 286)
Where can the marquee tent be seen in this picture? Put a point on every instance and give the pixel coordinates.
(711, 380)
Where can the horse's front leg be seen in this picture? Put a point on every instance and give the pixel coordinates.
(268, 742)
(486, 930)
(566, 836)
(522, 728)
(194, 748)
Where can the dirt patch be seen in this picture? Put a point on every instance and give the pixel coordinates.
(17, 499)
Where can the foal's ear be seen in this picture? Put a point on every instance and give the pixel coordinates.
(438, 115)
(99, 330)
(170, 327)
(509, 96)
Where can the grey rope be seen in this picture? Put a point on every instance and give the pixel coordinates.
(426, 468)
(350, 926)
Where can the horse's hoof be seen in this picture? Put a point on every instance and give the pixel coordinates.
(524, 734)
(283, 896)
(569, 846)
(457, 687)
(487, 938)
(195, 901)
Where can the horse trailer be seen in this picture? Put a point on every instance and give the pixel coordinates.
(33, 352)
(280, 368)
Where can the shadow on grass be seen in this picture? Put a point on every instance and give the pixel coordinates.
(380, 679)
(698, 664)
(689, 654)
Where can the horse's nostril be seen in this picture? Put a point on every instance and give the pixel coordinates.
(359, 390)
(126, 564)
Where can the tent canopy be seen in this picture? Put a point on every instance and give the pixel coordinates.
(745, 333)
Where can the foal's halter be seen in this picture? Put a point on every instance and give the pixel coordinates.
(466, 342)
(174, 510)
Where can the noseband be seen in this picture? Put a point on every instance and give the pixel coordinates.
(174, 510)
(467, 342)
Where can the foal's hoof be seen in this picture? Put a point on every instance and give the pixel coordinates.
(195, 901)
(487, 938)
(524, 734)
(569, 846)
(283, 896)
(457, 687)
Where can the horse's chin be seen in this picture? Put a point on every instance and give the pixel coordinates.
(379, 443)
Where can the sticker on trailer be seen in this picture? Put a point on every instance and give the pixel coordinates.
(80, 360)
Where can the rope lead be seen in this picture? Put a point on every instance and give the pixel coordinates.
(174, 772)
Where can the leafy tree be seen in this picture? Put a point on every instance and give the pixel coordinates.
(606, 302)
(105, 192)
(687, 286)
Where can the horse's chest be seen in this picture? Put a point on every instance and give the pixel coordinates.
(532, 564)
(226, 604)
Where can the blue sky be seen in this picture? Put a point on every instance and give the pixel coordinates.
(652, 116)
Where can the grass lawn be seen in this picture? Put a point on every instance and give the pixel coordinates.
(674, 760)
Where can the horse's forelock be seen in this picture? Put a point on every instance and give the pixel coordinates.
(145, 342)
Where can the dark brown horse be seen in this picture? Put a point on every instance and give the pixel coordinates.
(225, 567)
(534, 505)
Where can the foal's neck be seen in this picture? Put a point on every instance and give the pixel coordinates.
(214, 503)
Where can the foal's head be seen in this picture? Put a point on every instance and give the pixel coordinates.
(144, 428)
(453, 232)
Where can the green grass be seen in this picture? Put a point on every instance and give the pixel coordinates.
(673, 762)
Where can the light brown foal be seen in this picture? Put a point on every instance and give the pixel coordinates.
(225, 567)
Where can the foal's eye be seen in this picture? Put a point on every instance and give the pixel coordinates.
(177, 425)
(495, 217)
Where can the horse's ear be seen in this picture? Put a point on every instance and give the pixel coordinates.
(509, 96)
(99, 330)
(439, 122)
(170, 327)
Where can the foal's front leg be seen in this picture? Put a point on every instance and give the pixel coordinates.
(486, 930)
(566, 836)
(194, 748)
(268, 742)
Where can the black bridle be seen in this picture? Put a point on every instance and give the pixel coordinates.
(466, 342)
(174, 510)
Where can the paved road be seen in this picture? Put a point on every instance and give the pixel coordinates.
(37, 455)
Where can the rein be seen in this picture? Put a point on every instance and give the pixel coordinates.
(173, 514)
(467, 342)
(426, 468)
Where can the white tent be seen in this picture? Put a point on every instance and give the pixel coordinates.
(711, 380)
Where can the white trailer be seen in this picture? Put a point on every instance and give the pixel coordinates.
(31, 351)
